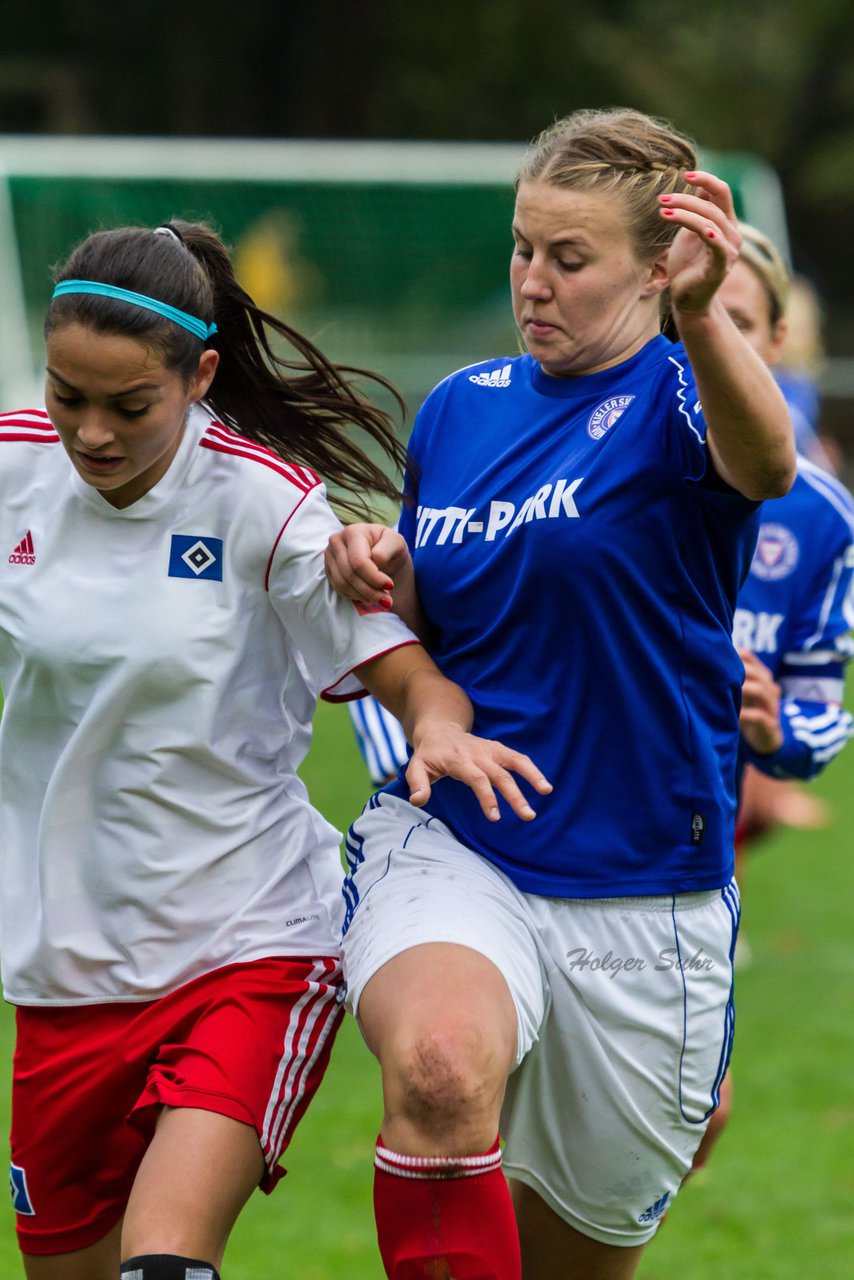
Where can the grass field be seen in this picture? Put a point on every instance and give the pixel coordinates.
(777, 1199)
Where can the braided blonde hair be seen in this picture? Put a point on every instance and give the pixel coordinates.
(616, 150)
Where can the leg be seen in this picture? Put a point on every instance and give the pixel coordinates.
(99, 1262)
(235, 1069)
(197, 1174)
(602, 1118)
(717, 1124)
(544, 1238)
(433, 931)
(441, 1020)
(73, 1156)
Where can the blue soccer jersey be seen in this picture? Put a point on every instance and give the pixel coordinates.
(580, 563)
(795, 612)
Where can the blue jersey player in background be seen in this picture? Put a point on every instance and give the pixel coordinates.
(585, 515)
(795, 611)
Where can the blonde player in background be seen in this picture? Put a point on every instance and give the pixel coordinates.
(794, 617)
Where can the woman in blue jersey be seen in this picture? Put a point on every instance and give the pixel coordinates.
(794, 612)
(794, 615)
(583, 518)
(169, 899)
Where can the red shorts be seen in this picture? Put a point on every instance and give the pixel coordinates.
(249, 1041)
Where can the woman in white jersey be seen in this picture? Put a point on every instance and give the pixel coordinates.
(585, 514)
(169, 896)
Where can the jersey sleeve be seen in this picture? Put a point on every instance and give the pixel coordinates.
(813, 734)
(819, 642)
(334, 635)
(380, 737)
(685, 431)
(682, 422)
(811, 674)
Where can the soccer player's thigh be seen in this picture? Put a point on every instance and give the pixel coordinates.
(250, 1042)
(604, 1115)
(425, 911)
(241, 1052)
(74, 1157)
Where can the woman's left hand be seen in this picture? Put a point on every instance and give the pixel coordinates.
(706, 244)
(759, 721)
(444, 750)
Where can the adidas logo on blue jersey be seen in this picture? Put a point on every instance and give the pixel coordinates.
(655, 1211)
(497, 378)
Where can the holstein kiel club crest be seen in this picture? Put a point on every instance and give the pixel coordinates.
(776, 553)
(606, 414)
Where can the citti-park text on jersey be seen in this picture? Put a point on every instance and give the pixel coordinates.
(451, 524)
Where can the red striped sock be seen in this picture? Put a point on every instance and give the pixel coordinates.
(445, 1217)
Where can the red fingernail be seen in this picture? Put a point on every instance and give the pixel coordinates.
(668, 213)
(665, 199)
(711, 235)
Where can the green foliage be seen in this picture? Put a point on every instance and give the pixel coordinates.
(775, 1200)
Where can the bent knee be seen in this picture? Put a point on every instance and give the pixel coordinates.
(446, 1073)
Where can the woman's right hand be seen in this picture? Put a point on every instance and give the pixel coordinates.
(364, 561)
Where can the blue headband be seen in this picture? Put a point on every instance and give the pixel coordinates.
(198, 327)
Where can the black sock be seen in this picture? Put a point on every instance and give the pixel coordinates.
(167, 1266)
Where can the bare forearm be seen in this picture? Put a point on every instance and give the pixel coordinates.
(437, 716)
(408, 685)
(406, 603)
(750, 435)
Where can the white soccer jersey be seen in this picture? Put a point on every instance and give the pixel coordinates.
(159, 665)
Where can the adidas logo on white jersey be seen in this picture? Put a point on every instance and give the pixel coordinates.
(497, 378)
(25, 552)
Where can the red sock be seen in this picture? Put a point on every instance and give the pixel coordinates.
(445, 1218)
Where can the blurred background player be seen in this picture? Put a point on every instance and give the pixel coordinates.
(795, 609)
(794, 616)
(798, 371)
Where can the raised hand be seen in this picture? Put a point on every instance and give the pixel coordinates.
(706, 244)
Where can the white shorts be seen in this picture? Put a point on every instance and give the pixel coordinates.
(624, 1011)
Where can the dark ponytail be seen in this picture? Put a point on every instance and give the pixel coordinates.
(299, 407)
